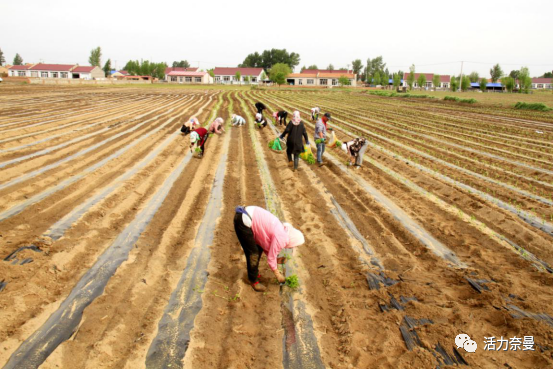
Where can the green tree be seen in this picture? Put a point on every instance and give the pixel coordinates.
(268, 58)
(238, 76)
(422, 81)
(524, 80)
(397, 80)
(496, 73)
(400, 73)
(279, 72)
(107, 67)
(357, 65)
(385, 79)
(211, 72)
(514, 74)
(181, 64)
(465, 83)
(18, 60)
(146, 68)
(373, 66)
(547, 75)
(474, 77)
(508, 83)
(376, 79)
(330, 67)
(313, 66)
(454, 83)
(2, 59)
(247, 79)
(263, 76)
(411, 78)
(343, 81)
(436, 81)
(95, 58)
(483, 84)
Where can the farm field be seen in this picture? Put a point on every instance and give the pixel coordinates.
(119, 249)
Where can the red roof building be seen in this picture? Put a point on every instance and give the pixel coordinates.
(53, 67)
(228, 75)
(189, 77)
(334, 71)
(180, 69)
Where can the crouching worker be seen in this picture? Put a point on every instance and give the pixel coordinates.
(189, 126)
(356, 149)
(259, 232)
(217, 126)
(198, 137)
(260, 121)
(237, 120)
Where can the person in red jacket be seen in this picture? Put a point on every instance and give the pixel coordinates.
(260, 232)
(198, 137)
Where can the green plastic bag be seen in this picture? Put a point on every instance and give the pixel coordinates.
(276, 145)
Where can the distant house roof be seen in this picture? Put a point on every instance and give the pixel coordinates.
(311, 71)
(187, 74)
(83, 69)
(219, 71)
(53, 67)
(445, 78)
(180, 69)
(302, 75)
(124, 72)
(428, 76)
(336, 75)
(542, 80)
(20, 67)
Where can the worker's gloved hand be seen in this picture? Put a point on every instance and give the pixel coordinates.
(279, 276)
(323, 139)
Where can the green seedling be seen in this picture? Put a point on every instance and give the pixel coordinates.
(292, 282)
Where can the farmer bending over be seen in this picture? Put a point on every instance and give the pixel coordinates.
(259, 232)
(315, 113)
(356, 149)
(281, 117)
(217, 126)
(260, 107)
(260, 121)
(294, 146)
(237, 120)
(189, 126)
(198, 137)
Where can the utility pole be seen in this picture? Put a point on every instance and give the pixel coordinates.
(461, 77)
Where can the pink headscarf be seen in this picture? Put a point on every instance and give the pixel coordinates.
(296, 237)
(296, 119)
(275, 114)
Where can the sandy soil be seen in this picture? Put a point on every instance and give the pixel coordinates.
(354, 326)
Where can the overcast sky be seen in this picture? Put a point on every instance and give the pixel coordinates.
(433, 35)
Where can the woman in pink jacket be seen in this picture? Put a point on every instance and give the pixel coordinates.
(259, 232)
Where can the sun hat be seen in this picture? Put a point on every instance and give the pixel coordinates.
(295, 235)
(194, 136)
(327, 115)
(345, 147)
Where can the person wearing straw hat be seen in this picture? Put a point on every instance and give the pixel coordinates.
(217, 126)
(294, 146)
(260, 232)
(198, 138)
(356, 149)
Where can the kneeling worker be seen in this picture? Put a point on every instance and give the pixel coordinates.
(259, 232)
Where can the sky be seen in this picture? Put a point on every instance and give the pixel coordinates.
(434, 35)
